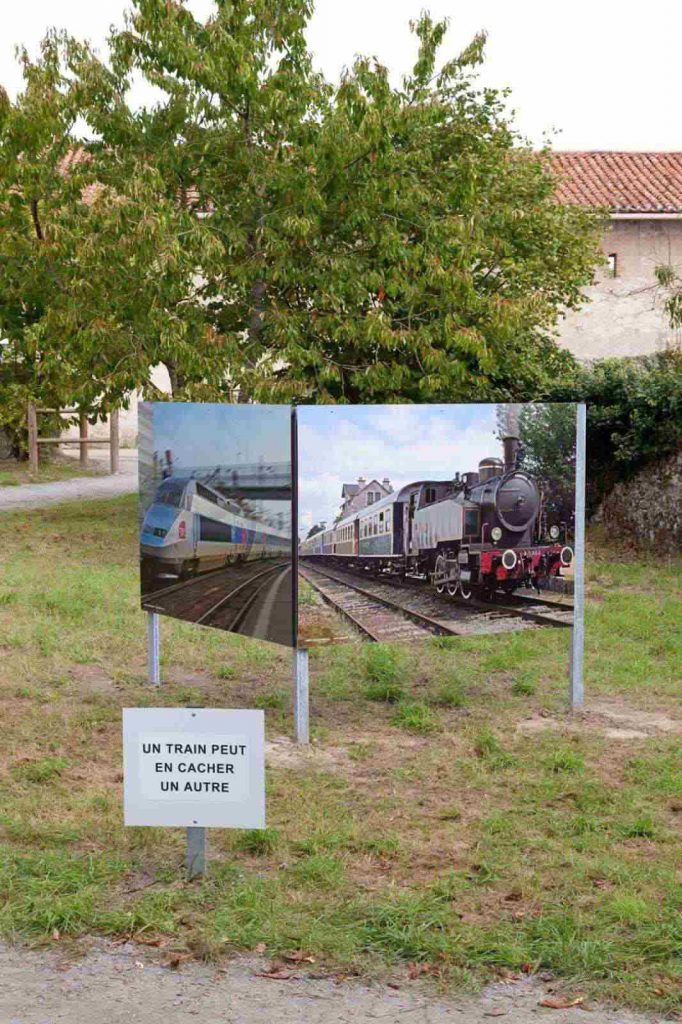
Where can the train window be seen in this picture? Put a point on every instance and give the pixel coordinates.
(211, 529)
(204, 492)
(170, 492)
(429, 495)
(471, 522)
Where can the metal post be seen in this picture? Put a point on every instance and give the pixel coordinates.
(83, 434)
(301, 691)
(113, 440)
(32, 439)
(196, 852)
(153, 649)
(577, 692)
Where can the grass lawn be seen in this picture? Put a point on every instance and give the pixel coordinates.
(450, 813)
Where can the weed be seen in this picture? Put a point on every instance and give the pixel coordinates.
(44, 770)
(259, 842)
(565, 759)
(449, 694)
(272, 700)
(417, 717)
(523, 686)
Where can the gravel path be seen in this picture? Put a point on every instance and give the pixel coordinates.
(81, 488)
(117, 984)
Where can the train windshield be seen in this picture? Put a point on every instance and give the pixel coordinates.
(170, 492)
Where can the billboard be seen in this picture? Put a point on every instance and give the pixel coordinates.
(216, 514)
(358, 523)
(415, 520)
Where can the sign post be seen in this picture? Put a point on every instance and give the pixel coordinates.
(195, 768)
(576, 682)
(153, 649)
(301, 695)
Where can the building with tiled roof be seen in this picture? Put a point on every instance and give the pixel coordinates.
(642, 195)
(626, 184)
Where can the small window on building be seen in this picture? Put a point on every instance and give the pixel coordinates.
(612, 263)
(370, 497)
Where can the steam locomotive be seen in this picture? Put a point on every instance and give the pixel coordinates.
(476, 534)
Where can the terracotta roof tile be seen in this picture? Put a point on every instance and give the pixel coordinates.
(622, 182)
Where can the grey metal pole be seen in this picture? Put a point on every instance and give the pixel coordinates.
(196, 852)
(153, 649)
(577, 689)
(301, 695)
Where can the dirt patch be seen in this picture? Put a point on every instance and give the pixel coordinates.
(92, 679)
(613, 719)
(282, 752)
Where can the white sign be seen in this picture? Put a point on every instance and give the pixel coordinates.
(194, 767)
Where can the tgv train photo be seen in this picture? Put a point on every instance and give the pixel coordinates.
(480, 532)
(190, 528)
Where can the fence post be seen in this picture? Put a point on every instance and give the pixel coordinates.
(83, 434)
(301, 695)
(113, 440)
(32, 438)
(576, 686)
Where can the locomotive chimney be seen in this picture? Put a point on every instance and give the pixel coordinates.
(511, 452)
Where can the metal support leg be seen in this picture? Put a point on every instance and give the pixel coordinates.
(196, 852)
(301, 691)
(153, 649)
(576, 689)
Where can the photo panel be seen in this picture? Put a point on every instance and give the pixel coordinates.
(216, 515)
(422, 520)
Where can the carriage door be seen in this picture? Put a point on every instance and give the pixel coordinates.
(410, 509)
(356, 537)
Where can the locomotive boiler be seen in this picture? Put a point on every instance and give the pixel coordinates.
(480, 532)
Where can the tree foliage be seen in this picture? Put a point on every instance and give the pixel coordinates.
(265, 233)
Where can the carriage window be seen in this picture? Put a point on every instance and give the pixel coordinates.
(471, 522)
(430, 495)
(204, 492)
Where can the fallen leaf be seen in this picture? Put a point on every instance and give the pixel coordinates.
(527, 968)
(260, 947)
(278, 974)
(416, 970)
(176, 959)
(299, 957)
(558, 1003)
(56, 935)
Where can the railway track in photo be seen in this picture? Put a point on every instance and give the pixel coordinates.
(386, 611)
(253, 598)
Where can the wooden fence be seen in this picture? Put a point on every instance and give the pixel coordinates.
(34, 439)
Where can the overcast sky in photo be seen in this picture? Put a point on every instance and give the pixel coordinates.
(337, 444)
(604, 74)
(202, 436)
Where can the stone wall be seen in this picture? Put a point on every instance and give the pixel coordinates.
(648, 508)
(624, 314)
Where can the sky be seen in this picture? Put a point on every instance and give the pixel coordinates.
(209, 435)
(604, 74)
(337, 444)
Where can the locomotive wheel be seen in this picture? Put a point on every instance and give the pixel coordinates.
(439, 572)
(452, 589)
(465, 592)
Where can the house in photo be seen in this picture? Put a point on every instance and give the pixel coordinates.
(642, 193)
(355, 497)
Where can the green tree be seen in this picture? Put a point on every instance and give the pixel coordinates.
(263, 232)
(548, 438)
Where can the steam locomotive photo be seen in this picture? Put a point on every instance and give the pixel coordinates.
(190, 528)
(478, 533)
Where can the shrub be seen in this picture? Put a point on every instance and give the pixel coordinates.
(414, 716)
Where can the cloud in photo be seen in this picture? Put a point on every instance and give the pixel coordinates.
(337, 444)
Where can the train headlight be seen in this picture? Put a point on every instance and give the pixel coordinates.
(554, 532)
(496, 533)
(509, 559)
